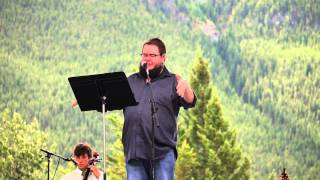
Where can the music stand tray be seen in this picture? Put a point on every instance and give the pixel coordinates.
(89, 90)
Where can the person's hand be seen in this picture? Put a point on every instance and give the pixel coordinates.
(74, 103)
(181, 87)
(184, 89)
(95, 171)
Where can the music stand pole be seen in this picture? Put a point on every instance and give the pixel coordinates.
(104, 136)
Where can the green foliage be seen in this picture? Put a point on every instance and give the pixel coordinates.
(278, 79)
(115, 159)
(286, 20)
(264, 66)
(20, 143)
(273, 175)
(209, 135)
(64, 39)
(186, 162)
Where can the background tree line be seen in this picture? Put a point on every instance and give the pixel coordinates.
(263, 66)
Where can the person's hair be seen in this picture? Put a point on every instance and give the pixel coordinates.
(157, 42)
(82, 149)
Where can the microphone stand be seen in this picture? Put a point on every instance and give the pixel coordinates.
(48, 156)
(103, 101)
(155, 121)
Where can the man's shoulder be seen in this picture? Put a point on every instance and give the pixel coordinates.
(134, 75)
(137, 77)
(167, 73)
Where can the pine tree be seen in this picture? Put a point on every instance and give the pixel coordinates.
(186, 162)
(209, 134)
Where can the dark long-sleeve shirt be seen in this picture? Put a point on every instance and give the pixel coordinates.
(137, 130)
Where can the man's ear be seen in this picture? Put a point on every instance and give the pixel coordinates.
(164, 57)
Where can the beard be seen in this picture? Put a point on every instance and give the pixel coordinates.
(153, 73)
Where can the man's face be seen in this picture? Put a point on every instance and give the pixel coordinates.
(151, 56)
(82, 161)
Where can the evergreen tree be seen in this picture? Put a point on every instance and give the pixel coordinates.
(186, 162)
(209, 134)
(20, 145)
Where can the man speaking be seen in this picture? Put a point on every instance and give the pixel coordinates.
(169, 92)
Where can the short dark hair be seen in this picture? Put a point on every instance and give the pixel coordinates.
(82, 149)
(157, 42)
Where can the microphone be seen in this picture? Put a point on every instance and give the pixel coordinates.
(145, 66)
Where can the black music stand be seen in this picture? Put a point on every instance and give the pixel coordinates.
(101, 92)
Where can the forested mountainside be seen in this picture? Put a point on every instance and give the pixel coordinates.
(264, 59)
